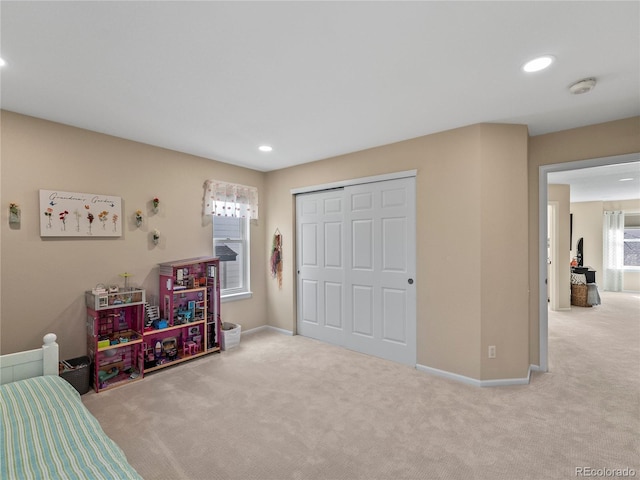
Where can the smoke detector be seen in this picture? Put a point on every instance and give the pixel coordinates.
(583, 86)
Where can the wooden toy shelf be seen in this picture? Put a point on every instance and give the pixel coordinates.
(120, 379)
(114, 336)
(122, 344)
(175, 327)
(190, 301)
(114, 299)
(180, 359)
(130, 337)
(123, 349)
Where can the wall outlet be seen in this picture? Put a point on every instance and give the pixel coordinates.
(492, 351)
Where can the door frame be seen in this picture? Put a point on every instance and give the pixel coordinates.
(553, 254)
(354, 181)
(543, 197)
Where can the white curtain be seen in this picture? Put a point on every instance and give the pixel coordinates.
(230, 200)
(613, 255)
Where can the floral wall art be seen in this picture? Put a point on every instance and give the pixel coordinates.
(71, 214)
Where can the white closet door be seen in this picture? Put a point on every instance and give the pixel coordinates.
(356, 258)
(380, 302)
(320, 244)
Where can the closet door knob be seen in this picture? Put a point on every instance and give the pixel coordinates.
(410, 281)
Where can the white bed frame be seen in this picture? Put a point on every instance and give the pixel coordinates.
(31, 363)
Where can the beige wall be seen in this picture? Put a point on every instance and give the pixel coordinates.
(469, 293)
(43, 280)
(588, 224)
(504, 284)
(595, 141)
(470, 279)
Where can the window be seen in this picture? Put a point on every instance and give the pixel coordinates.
(632, 240)
(231, 246)
(632, 247)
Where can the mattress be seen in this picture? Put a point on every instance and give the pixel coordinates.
(46, 432)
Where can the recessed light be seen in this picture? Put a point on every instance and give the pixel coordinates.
(265, 148)
(538, 64)
(625, 179)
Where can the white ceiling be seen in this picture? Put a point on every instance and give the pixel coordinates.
(602, 183)
(314, 79)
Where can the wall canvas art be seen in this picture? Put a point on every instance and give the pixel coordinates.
(71, 214)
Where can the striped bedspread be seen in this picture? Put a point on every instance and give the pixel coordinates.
(47, 433)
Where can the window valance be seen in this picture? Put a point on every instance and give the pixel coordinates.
(230, 200)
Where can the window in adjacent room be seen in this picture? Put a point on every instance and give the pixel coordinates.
(231, 246)
(632, 240)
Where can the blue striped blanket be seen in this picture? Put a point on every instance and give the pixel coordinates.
(47, 433)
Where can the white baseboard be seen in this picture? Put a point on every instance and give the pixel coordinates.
(434, 371)
(500, 382)
(266, 327)
(280, 330)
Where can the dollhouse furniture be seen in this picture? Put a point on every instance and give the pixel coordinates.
(56, 436)
(189, 348)
(124, 346)
(170, 348)
(114, 336)
(190, 301)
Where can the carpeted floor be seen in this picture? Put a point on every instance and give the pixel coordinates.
(279, 407)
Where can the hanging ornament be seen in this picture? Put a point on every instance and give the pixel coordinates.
(14, 213)
(276, 257)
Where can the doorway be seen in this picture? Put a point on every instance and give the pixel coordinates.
(543, 232)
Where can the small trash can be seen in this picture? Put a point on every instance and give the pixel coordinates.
(230, 335)
(77, 372)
